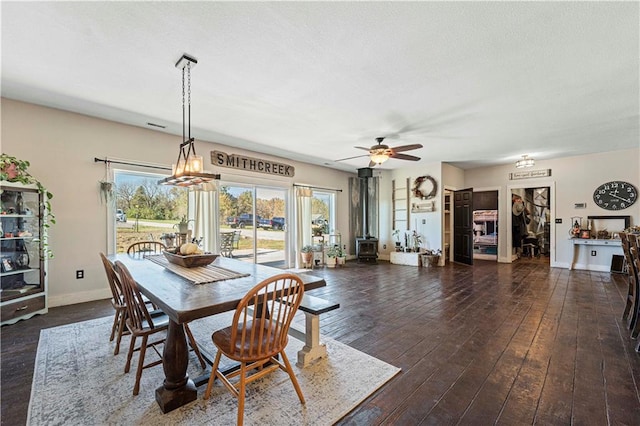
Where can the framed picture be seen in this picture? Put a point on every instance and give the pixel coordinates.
(7, 265)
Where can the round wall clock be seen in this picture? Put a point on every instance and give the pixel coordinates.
(615, 195)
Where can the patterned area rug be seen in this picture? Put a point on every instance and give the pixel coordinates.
(78, 380)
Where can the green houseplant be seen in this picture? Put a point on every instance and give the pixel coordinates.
(341, 257)
(306, 255)
(396, 234)
(332, 256)
(13, 169)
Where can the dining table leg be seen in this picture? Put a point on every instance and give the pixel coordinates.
(178, 389)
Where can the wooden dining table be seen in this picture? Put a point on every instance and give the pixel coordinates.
(184, 301)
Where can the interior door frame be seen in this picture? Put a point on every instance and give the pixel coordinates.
(533, 184)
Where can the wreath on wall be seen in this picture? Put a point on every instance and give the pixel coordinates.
(422, 194)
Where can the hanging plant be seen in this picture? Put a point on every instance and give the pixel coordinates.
(15, 170)
(107, 187)
(106, 191)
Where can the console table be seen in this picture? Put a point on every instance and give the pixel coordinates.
(583, 242)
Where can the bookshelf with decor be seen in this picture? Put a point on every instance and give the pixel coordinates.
(22, 253)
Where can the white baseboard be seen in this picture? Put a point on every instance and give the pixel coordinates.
(79, 297)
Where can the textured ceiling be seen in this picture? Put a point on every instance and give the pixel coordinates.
(476, 83)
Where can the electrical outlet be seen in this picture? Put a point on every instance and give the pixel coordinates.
(593, 252)
(558, 220)
(424, 221)
(80, 274)
(384, 246)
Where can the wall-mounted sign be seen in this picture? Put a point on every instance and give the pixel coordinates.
(530, 174)
(240, 162)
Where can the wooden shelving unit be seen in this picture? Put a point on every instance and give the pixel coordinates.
(400, 202)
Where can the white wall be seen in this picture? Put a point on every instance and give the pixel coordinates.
(61, 147)
(431, 229)
(572, 180)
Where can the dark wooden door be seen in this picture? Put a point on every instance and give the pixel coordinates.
(463, 226)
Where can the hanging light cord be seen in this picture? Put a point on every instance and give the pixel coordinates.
(189, 94)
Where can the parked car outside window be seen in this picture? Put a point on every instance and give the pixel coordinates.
(277, 223)
(120, 216)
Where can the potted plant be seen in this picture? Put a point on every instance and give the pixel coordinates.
(332, 256)
(14, 170)
(431, 258)
(417, 240)
(183, 225)
(106, 191)
(396, 234)
(317, 230)
(306, 255)
(341, 257)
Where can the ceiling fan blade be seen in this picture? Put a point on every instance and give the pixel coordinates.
(406, 147)
(404, 157)
(351, 158)
(362, 147)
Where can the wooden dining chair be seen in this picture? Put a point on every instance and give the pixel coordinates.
(117, 301)
(144, 248)
(634, 270)
(141, 323)
(632, 277)
(257, 335)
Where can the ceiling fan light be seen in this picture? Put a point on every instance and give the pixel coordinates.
(379, 157)
(525, 162)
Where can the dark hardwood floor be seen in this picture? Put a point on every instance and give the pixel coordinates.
(511, 344)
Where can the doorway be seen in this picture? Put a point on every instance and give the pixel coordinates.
(258, 217)
(531, 223)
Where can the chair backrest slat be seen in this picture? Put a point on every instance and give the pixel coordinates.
(262, 318)
(114, 282)
(144, 248)
(136, 308)
(634, 254)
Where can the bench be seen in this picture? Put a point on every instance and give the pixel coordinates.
(312, 307)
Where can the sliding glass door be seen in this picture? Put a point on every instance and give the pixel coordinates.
(257, 218)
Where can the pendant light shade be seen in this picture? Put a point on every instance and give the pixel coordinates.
(189, 168)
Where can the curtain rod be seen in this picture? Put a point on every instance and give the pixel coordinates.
(315, 187)
(105, 160)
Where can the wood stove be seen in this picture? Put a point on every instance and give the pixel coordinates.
(367, 249)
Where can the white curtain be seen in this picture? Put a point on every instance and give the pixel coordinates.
(303, 220)
(202, 210)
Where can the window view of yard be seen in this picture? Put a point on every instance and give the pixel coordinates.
(148, 211)
(145, 210)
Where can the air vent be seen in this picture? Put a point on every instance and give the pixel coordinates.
(156, 125)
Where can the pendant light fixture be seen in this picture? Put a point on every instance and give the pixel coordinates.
(188, 170)
(525, 162)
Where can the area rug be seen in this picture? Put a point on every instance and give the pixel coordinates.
(78, 381)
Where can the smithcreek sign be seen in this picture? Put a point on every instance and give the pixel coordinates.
(240, 162)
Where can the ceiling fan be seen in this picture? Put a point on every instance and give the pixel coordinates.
(380, 153)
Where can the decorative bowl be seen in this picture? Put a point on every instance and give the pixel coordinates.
(191, 260)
